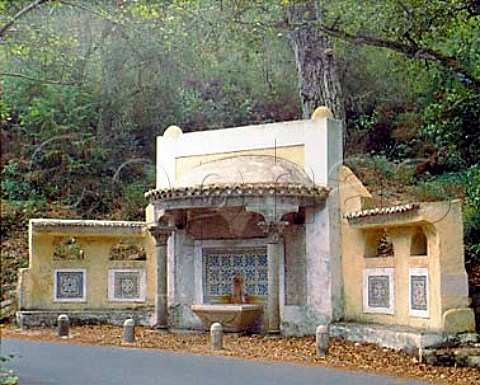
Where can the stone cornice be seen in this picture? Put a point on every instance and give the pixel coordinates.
(239, 190)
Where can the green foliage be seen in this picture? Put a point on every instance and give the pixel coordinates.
(375, 169)
(7, 376)
(13, 184)
(472, 187)
(368, 75)
(67, 249)
(442, 32)
(451, 123)
(439, 188)
(128, 191)
(472, 214)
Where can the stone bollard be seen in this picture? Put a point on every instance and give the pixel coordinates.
(216, 336)
(20, 319)
(322, 340)
(129, 331)
(63, 324)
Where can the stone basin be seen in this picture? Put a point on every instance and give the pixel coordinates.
(235, 318)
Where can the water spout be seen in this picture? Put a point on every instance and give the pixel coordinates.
(237, 296)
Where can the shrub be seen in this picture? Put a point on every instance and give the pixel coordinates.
(444, 187)
(472, 215)
(7, 376)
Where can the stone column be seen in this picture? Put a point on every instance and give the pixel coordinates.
(161, 235)
(274, 231)
(273, 256)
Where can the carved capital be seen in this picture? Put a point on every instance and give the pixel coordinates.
(273, 230)
(272, 210)
(161, 234)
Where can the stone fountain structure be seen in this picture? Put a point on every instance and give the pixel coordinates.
(262, 229)
(236, 316)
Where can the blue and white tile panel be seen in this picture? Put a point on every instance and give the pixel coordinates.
(379, 290)
(126, 285)
(418, 292)
(220, 264)
(70, 285)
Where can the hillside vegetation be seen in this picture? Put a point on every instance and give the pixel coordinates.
(85, 87)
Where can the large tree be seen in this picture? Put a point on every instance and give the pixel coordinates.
(443, 32)
(317, 66)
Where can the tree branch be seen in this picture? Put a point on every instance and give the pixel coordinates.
(19, 14)
(93, 12)
(37, 3)
(44, 81)
(409, 50)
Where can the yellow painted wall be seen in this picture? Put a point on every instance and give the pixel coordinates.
(441, 222)
(37, 281)
(295, 154)
(442, 225)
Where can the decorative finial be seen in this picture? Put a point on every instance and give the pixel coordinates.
(322, 112)
(173, 132)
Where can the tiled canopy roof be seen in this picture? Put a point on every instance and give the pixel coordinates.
(241, 190)
(240, 176)
(383, 211)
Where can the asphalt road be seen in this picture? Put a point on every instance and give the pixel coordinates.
(47, 363)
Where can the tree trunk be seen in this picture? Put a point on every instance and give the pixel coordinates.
(317, 67)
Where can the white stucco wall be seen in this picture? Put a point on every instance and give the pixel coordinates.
(322, 141)
(316, 135)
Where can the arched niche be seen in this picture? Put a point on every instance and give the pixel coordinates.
(228, 223)
(67, 248)
(418, 243)
(127, 249)
(295, 218)
(378, 244)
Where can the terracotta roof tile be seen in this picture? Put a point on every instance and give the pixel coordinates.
(383, 211)
(256, 189)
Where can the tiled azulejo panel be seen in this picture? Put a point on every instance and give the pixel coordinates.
(378, 290)
(70, 285)
(126, 284)
(221, 264)
(418, 292)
